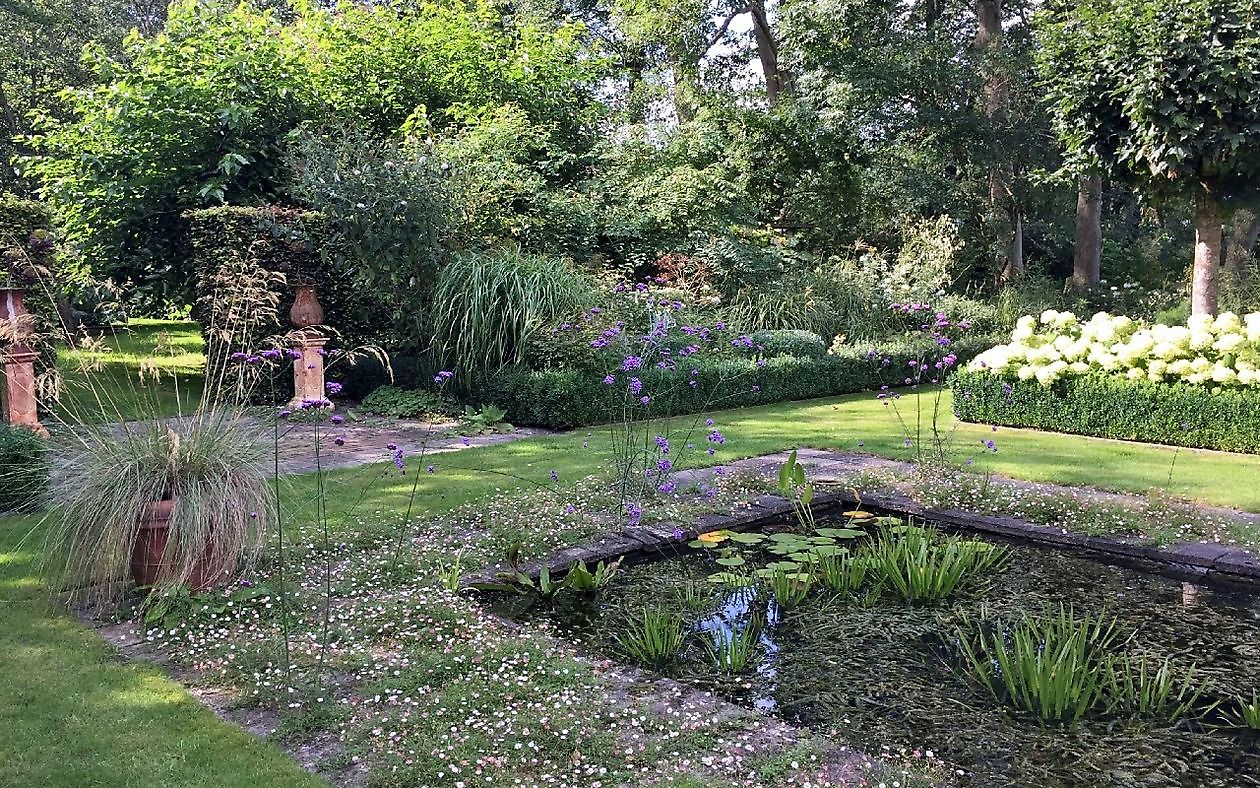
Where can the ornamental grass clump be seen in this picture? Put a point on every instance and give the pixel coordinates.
(1150, 688)
(1053, 666)
(921, 566)
(733, 650)
(213, 468)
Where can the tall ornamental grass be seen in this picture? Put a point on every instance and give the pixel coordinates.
(486, 306)
(215, 468)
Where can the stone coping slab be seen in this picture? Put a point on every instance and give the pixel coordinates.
(1197, 561)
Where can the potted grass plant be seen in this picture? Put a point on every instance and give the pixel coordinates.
(180, 502)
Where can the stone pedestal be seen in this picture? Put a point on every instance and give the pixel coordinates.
(308, 369)
(18, 397)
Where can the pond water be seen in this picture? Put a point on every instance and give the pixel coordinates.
(879, 672)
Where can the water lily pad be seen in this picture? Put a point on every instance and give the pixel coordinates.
(840, 533)
(733, 560)
(714, 537)
(858, 514)
(732, 579)
(747, 538)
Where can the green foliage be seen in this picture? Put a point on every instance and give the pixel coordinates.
(789, 587)
(207, 111)
(486, 420)
(842, 572)
(790, 342)
(921, 566)
(1177, 414)
(384, 205)
(25, 465)
(654, 640)
(1052, 666)
(564, 398)
(1155, 90)
(401, 403)
(1245, 713)
(1150, 688)
(793, 485)
(583, 580)
(486, 307)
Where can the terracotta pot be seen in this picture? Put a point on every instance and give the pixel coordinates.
(13, 313)
(306, 311)
(147, 564)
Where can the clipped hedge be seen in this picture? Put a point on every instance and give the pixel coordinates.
(25, 466)
(280, 246)
(790, 342)
(1109, 406)
(19, 218)
(566, 398)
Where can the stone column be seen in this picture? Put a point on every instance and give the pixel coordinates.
(20, 406)
(308, 367)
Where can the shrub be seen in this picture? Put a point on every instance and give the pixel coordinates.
(790, 342)
(1177, 414)
(403, 403)
(19, 218)
(24, 469)
(1224, 350)
(565, 398)
(488, 306)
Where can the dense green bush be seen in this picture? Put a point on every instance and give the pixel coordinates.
(564, 398)
(790, 342)
(19, 217)
(403, 403)
(24, 469)
(1107, 406)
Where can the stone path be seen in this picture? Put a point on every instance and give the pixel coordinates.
(367, 441)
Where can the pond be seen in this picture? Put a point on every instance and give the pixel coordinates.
(881, 672)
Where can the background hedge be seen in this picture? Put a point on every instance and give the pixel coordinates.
(291, 242)
(1107, 406)
(19, 217)
(566, 398)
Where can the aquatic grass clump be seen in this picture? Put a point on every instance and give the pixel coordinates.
(1053, 666)
(1148, 688)
(733, 650)
(1245, 714)
(655, 640)
(922, 567)
(790, 587)
(843, 572)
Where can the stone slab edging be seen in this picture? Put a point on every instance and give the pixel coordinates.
(1198, 561)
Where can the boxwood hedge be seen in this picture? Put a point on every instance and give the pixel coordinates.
(566, 398)
(25, 466)
(1108, 406)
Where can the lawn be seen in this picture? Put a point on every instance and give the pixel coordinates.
(145, 369)
(74, 713)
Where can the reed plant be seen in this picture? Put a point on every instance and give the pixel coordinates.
(1053, 666)
(922, 567)
(842, 572)
(655, 640)
(790, 587)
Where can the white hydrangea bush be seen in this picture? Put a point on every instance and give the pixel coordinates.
(1221, 351)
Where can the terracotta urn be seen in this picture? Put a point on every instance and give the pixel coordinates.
(149, 563)
(306, 311)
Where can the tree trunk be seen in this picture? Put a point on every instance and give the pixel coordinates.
(1207, 252)
(778, 81)
(1087, 262)
(1243, 244)
(1003, 220)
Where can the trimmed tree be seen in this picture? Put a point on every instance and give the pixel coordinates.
(1162, 95)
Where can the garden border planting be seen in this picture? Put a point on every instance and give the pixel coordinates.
(1176, 414)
